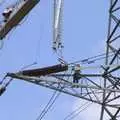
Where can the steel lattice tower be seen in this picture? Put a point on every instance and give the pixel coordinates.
(101, 87)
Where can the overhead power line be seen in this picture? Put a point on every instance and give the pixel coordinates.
(77, 111)
(92, 59)
(48, 105)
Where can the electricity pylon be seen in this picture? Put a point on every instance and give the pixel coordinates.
(102, 86)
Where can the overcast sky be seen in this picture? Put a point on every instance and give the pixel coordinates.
(85, 31)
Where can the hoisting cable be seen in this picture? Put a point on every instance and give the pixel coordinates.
(40, 38)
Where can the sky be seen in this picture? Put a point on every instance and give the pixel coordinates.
(85, 31)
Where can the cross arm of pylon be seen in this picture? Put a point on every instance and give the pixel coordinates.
(89, 91)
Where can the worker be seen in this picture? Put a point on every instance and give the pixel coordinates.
(76, 75)
(6, 13)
